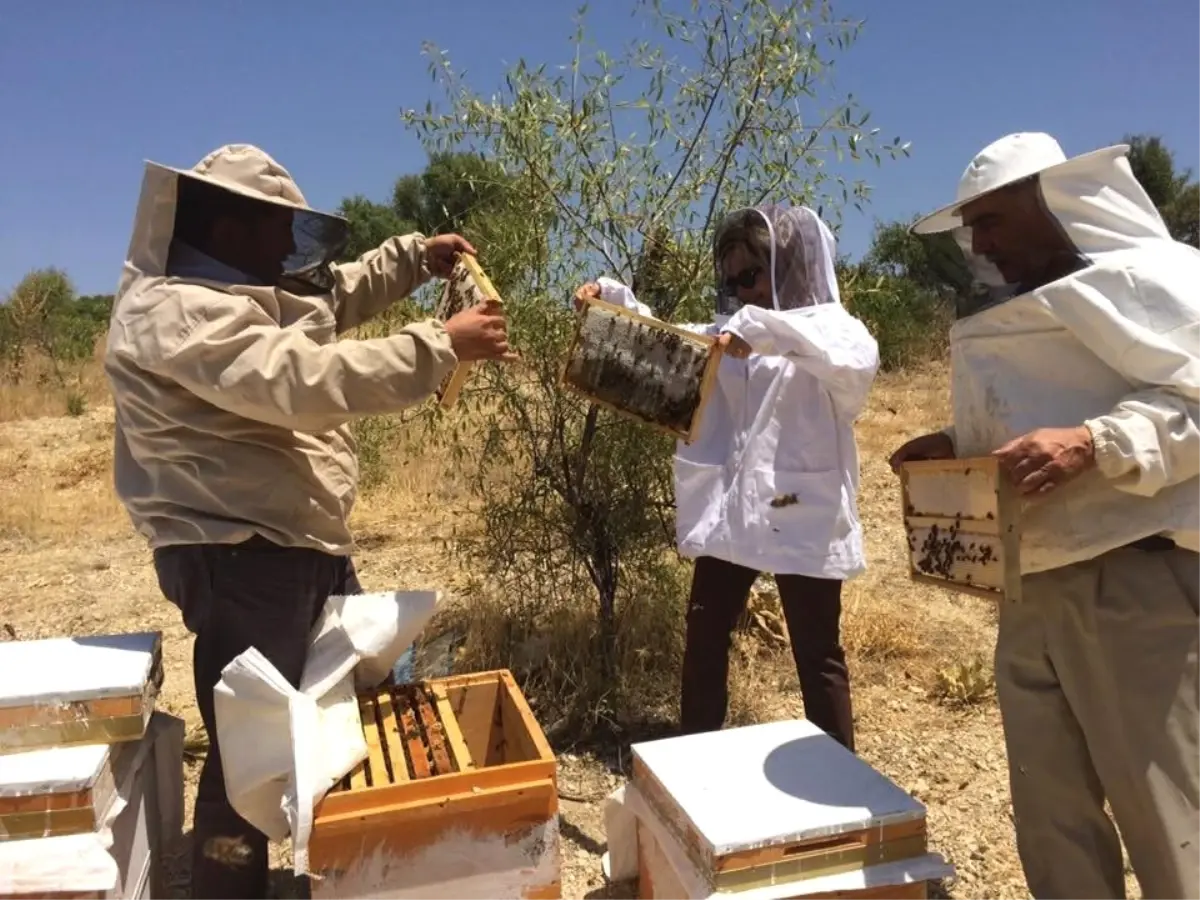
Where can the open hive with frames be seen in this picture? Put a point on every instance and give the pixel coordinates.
(640, 368)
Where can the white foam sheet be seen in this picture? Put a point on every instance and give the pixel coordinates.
(744, 788)
(282, 748)
(53, 770)
(627, 811)
(58, 670)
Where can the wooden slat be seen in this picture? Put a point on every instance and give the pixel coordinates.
(391, 737)
(523, 737)
(377, 774)
(358, 777)
(433, 733)
(475, 704)
(454, 739)
(418, 755)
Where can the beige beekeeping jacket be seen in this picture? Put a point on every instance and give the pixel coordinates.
(233, 402)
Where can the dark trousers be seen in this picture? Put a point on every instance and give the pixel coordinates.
(812, 608)
(233, 597)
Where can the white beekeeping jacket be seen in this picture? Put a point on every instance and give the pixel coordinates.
(1115, 345)
(771, 480)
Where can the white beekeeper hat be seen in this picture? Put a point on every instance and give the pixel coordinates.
(1007, 161)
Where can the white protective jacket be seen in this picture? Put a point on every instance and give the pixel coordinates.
(1115, 345)
(779, 425)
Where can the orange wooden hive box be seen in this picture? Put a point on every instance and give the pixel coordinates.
(458, 794)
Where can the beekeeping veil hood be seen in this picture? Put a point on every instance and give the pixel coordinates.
(1095, 200)
(794, 245)
(236, 180)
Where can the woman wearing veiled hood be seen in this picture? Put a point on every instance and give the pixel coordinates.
(770, 483)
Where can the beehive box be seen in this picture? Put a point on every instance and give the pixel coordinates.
(56, 804)
(83, 690)
(466, 287)
(458, 795)
(62, 790)
(780, 807)
(962, 521)
(646, 370)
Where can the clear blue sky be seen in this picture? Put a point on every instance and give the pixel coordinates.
(88, 90)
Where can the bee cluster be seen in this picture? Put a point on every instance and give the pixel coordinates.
(651, 373)
(942, 549)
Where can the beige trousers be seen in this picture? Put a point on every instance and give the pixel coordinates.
(1096, 672)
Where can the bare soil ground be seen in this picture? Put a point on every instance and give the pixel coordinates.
(70, 564)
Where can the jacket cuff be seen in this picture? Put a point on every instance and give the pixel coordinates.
(742, 325)
(418, 255)
(1106, 449)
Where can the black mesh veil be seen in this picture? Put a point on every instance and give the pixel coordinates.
(318, 238)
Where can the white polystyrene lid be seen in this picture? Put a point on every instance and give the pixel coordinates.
(53, 770)
(744, 788)
(57, 670)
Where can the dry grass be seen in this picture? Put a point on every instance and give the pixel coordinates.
(46, 388)
(69, 564)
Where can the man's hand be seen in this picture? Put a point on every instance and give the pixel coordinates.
(586, 292)
(480, 333)
(928, 446)
(442, 251)
(733, 345)
(1047, 458)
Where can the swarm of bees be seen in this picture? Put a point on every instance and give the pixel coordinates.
(651, 373)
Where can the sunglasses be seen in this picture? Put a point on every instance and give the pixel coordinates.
(743, 279)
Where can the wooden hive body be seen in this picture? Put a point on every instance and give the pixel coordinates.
(466, 287)
(774, 806)
(73, 790)
(459, 788)
(61, 790)
(962, 521)
(640, 368)
(64, 691)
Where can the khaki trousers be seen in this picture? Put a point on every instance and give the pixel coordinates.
(1096, 672)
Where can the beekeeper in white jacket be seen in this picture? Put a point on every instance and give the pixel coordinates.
(770, 483)
(1082, 376)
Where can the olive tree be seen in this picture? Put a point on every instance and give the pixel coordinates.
(621, 163)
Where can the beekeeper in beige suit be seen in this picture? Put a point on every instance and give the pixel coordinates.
(1079, 369)
(233, 395)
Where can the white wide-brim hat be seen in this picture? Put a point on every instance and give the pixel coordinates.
(1013, 158)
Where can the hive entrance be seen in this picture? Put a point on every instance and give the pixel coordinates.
(410, 734)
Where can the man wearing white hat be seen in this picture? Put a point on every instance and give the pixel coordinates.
(233, 396)
(1078, 368)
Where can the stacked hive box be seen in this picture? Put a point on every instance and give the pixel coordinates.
(777, 810)
(91, 788)
(457, 798)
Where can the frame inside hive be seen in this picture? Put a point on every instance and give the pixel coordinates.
(466, 287)
(638, 367)
(962, 522)
(457, 755)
